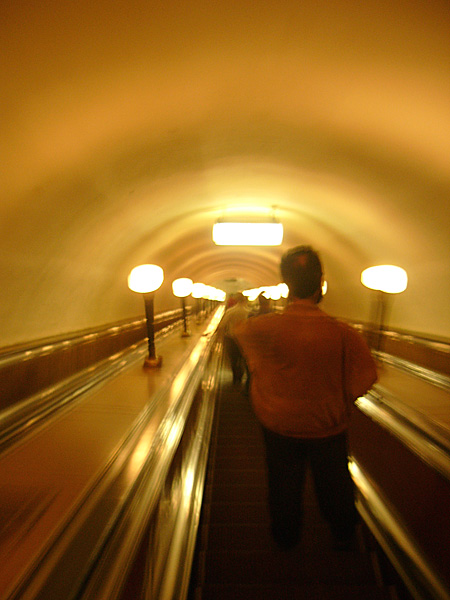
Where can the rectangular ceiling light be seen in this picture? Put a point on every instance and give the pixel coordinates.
(248, 234)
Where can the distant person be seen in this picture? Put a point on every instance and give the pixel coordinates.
(307, 368)
(231, 302)
(234, 315)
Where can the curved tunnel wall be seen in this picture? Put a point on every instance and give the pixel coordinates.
(127, 133)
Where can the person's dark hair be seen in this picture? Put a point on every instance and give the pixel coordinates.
(301, 270)
(263, 301)
(264, 304)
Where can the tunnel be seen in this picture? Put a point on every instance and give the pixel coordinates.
(128, 131)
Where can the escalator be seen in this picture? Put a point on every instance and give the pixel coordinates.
(236, 557)
(103, 490)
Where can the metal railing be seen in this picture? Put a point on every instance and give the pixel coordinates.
(431, 444)
(163, 473)
(18, 419)
(144, 507)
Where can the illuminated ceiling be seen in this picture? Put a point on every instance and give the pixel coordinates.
(129, 128)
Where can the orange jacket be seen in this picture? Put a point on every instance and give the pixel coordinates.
(306, 369)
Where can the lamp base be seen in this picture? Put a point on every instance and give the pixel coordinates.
(186, 334)
(153, 363)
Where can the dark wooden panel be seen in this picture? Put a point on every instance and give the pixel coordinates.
(25, 372)
(430, 353)
(418, 493)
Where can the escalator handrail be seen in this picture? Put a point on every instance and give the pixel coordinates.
(110, 556)
(26, 352)
(424, 437)
(20, 418)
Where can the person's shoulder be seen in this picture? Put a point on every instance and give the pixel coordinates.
(268, 316)
(341, 325)
(339, 322)
(345, 325)
(256, 321)
(351, 334)
(265, 320)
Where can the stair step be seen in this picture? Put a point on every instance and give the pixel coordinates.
(238, 512)
(238, 559)
(231, 477)
(240, 461)
(234, 450)
(236, 493)
(296, 567)
(289, 592)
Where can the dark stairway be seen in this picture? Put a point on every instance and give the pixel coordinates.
(236, 557)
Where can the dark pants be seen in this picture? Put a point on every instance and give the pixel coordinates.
(287, 460)
(237, 361)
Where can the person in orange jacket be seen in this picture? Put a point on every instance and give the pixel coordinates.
(306, 368)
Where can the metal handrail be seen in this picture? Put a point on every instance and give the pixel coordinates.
(387, 527)
(431, 444)
(47, 346)
(412, 338)
(436, 379)
(424, 437)
(114, 533)
(18, 419)
(170, 563)
(431, 344)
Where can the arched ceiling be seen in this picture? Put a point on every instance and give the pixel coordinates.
(129, 128)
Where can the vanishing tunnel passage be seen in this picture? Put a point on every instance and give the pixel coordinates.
(130, 130)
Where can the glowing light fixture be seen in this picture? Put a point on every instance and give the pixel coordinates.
(275, 293)
(220, 296)
(264, 233)
(181, 288)
(146, 279)
(284, 290)
(252, 294)
(198, 289)
(385, 278)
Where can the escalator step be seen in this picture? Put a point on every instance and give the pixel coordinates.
(289, 592)
(238, 557)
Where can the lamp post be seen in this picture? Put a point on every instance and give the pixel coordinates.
(146, 279)
(197, 293)
(385, 280)
(182, 288)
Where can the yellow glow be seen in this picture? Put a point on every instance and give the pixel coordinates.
(247, 234)
(198, 289)
(324, 288)
(208, 292)
(275, 293)
(220, 296)
(212, 293)
(252, 294)
(182, 287)
(189, 484)
(385, 278)
(284, 290)
(145, 278)
(139, 456)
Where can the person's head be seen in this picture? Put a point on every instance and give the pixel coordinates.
(301, 270)
(264, 303)
(240, 298)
